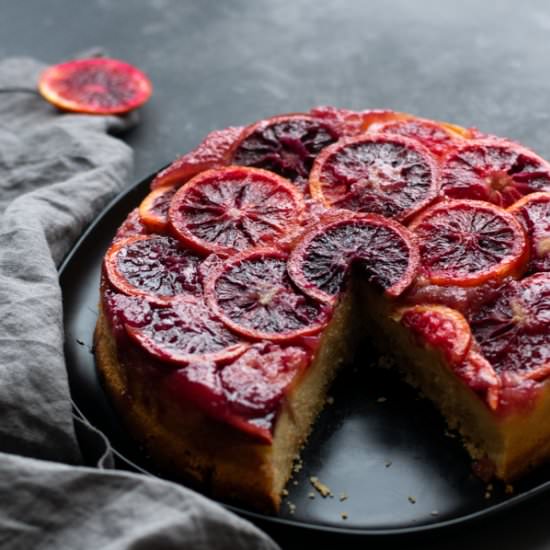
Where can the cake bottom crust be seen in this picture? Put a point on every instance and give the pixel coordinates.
(195, 448)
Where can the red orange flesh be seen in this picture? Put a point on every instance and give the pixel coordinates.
(382, 174)
(231, 209)
(382, 250)
(466, 243)
(95, 86)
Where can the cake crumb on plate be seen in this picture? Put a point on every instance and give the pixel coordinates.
(321, 488)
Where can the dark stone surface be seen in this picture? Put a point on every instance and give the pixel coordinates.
(219, 63)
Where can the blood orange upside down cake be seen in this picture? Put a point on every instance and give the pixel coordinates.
(233, 294)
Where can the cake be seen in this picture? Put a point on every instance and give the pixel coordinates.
(233, 294)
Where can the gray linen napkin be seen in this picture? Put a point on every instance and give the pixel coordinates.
(56, 173)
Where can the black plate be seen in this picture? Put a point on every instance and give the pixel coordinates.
(379, 443)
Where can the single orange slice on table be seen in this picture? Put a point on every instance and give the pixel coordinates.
(234, 208)
(466, 243)
(493, 170)
(95, 86)
(286, 145)
(382, 174)
(253, 295)
(155, 266)
(533, 212)
(384, 252)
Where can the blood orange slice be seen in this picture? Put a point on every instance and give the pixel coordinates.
(184, 331)
(234, 208)
(154, 207)
(384, 251)
(198, 383)
(480, 377)
(254, 296)
(466, 243)
(493, 170)
(513, 330)
(256, 382)
(438, 138)
(152, 265)
(95, 86)
(286, 145)
(211, 153)
(533, 212)
(440, 327)
(133, 225)
(352, 123)
(383, 174)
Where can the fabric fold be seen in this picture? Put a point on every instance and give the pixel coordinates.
(57, 172)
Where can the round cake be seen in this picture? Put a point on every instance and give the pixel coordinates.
(258, 262)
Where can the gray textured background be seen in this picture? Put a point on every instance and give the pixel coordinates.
(220, 63)
(216, 63)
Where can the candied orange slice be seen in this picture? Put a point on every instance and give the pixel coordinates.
(286, 145)
(481, 377)
(254, 296)
(182, 331)
(493, 170)
(234, 208)
(153, 210)
(95, 86)
(438, 138)
(352, 123)
(256, 382)
(384, 252)
(381, 174)
(440, 327)
(153, 265)
(513, 329)
(210, 153)
(466, 243)
(533, 212)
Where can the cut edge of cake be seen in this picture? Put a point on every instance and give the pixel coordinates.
(507, 444)
(224, 462)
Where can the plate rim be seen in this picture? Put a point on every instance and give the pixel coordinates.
(258, 517)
